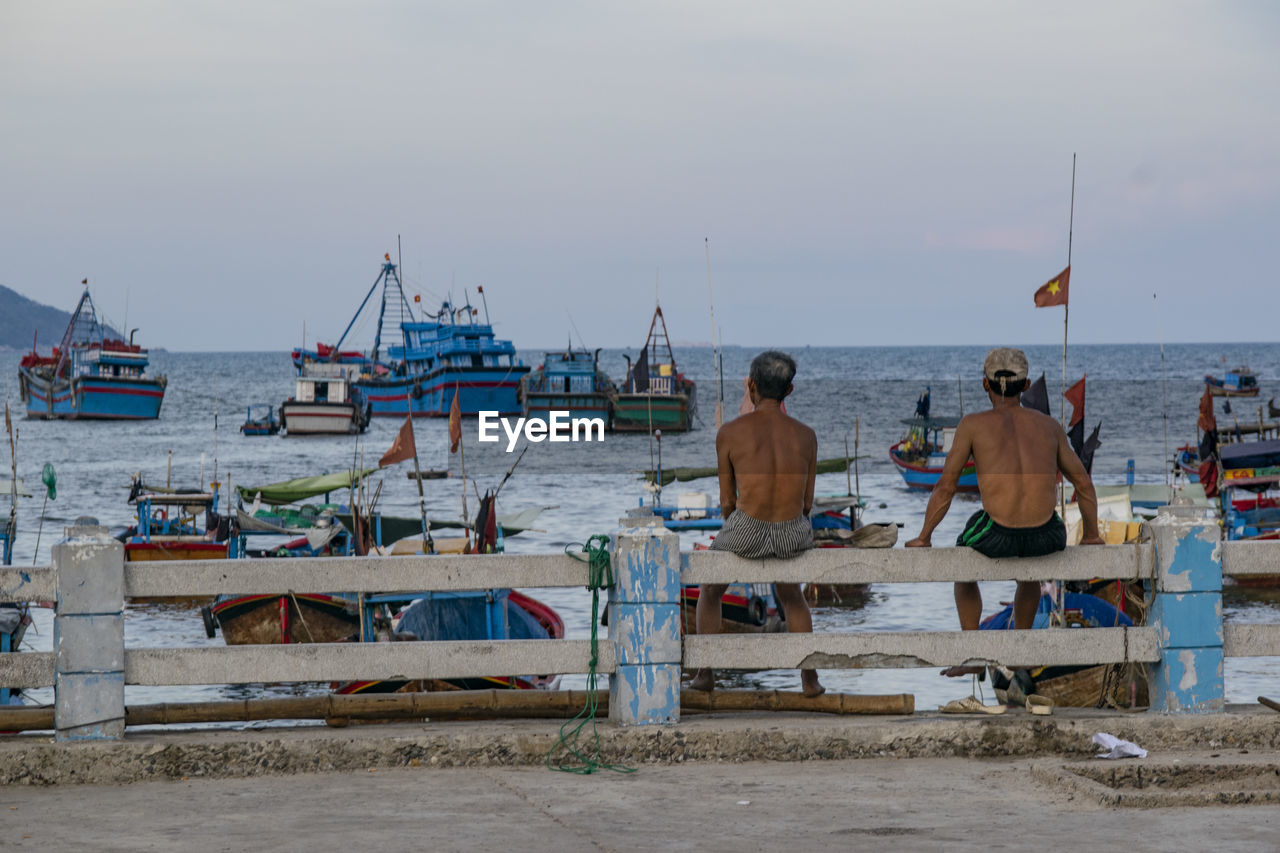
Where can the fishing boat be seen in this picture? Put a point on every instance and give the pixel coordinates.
(1076, 686)
(921, 453)
(325, 402)
(260, 419)
(90, 376)
(1186, 460)
(568, 381)
(175, 525)
(655, 395)
(1241, 382)
(432, 358)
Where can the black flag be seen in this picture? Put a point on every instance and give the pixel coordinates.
(922, 405)
(640, 372)
(1085, 449)
(1037, 396)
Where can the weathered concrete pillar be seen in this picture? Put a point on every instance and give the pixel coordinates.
(1187, 612)
(88, 636)
(644, 624)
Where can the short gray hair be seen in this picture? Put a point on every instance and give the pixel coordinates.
(772, 371)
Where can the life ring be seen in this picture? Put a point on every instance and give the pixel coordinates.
(162, 514)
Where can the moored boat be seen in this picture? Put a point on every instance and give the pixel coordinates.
(90, 376)
(921, 453)
(260, 419)
(325, 402)
(433, 358)
(655, 395)
(568, 381)
(1241, 382)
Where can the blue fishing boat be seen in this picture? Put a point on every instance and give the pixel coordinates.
(260, 419)
(569, 381)
(90, 375)
(1241, 382)
(432, 358)
(920, 455)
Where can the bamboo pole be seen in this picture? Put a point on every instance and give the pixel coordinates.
(339, 710)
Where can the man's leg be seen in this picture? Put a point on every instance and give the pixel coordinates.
(799, 621)
(706, 620)
(1025, 603)
(969, 609)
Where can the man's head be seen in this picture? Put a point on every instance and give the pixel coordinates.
(1005, 372)
(771, 374)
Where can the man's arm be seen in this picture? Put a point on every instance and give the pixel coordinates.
(945, 490)
(1087, 499)
(813, 472)
(728, 485)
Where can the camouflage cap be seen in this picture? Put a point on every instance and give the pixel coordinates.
(1008, 361)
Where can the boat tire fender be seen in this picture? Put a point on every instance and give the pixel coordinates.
(756, 611)
(210, 624)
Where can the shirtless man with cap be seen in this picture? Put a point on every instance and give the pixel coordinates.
(1018, 454)
(767, 464)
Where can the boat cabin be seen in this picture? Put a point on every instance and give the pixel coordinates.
(323, 383)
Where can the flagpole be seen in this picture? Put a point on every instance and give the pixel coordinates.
(1062, 401)
(462, 456)
(428, 545)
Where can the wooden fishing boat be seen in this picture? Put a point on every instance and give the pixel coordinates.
(920, 455)
(568, 381)
(175, 525)
(90, 376)
(260, 419)
(324, 403)
(284, 619)
(1078, 687)
(434, 358)
(1241, 382)
(499, 614)
(655, 395)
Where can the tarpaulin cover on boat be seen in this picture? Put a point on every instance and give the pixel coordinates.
(292, 491)
(1250, 454)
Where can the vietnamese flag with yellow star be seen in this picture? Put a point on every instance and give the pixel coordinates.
(1054, 291)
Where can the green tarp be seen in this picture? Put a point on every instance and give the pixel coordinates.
(292, 491)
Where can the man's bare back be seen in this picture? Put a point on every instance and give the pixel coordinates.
(1018, 452)
(767, 462)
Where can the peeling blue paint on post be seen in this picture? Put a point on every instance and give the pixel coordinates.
(88, 636)
(1187, 614)
(644, 625)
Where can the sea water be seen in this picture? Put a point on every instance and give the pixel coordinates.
(847, 394)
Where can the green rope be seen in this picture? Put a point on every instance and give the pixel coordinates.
(579, 758)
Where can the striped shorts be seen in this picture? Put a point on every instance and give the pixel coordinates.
(755, 540)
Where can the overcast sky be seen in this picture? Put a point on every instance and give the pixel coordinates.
(867, 173)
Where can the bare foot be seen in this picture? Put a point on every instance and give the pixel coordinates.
(809, 683)
(705, 680)
(957, 671)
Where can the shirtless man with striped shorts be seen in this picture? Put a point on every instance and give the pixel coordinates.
(767, 463)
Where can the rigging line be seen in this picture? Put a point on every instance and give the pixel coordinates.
(1164, 390)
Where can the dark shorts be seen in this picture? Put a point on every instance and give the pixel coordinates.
(755, 540)
(995, 540)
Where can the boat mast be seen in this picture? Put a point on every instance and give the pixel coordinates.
(356, 316)
(70, 333)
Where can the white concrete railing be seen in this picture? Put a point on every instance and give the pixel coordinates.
(643, 652)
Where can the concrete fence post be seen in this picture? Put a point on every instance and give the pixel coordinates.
(1187, 612)
(644, 624)
(88, 636)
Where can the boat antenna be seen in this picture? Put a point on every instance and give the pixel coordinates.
(715, 349)
(1164, 389)
(960, 391)
(572, 325)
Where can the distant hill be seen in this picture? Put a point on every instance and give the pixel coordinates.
(20, 316)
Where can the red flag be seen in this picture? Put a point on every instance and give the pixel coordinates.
(1075, 396)
(402, 448)
(455, 421)
(1054, 291)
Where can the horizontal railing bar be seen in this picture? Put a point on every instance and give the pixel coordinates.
(361, 661)
(351, 574)
(1245, 559)
(918, 565)
(26, 669)
(909, 649)
(34, 583)
(1250, 641)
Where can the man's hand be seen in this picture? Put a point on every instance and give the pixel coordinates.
(919, 542)
(1092, 540)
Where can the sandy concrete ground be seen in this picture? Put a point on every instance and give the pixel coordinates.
(874, 804)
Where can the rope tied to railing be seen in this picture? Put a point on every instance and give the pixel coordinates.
(580, 759)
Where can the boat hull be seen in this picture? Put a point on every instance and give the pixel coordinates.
(159, 550)
(538, 404)
(1220, 391)
(90, 398)
(286, 619)
(641, 412)
(925, 477)
(321, 418)
(482, 389)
